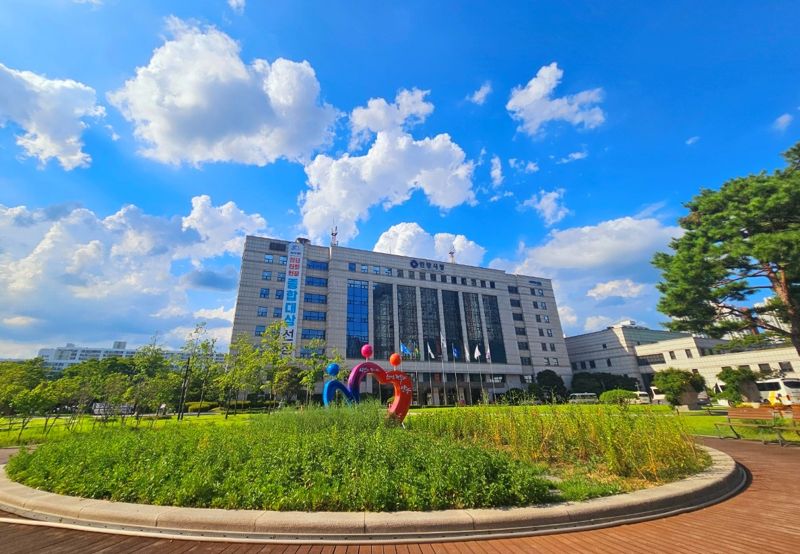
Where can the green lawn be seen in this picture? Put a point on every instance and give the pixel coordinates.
(705, 425)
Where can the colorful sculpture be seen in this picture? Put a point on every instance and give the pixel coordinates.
(403, 388)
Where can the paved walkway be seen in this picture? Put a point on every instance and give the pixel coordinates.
(766, 516)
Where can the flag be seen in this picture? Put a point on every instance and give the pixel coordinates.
(404, 350)
(477, 353)
(443, 342)
(488, 353)
(466, 352)
(416, 352)
(430, 352)
(455, 352)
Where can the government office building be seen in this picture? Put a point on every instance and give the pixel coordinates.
(464, 332)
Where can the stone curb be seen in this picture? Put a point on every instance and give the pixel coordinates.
(723, 479)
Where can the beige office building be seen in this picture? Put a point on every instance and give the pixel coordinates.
(464, 331)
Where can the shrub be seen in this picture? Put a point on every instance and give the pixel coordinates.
(601, 382)
(618, 396)
(204, 407)
(674, 382)
(550, 386)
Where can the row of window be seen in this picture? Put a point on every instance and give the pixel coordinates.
(592, 364)
(263, 311)
(270, 259)
(281, 277)
(309, 297)
(520, 331)
(687, 351)
(534, 292)
(310, 264)
(423, 276)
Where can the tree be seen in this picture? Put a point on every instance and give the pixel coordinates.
(314, 365)
(600, 382)
(551, 386)
(674, 382)
(737, 381)
(242, 365)
(621, 397)
(740, 240)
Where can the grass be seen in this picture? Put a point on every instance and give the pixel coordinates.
(705, 425)
(352, 459)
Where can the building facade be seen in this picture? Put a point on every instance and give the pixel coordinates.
(62, 357)
(636, 351)
(464, 332)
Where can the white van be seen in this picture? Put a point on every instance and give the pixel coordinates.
(583, 398)
(641, 398)
(658, 396)
(779, 391)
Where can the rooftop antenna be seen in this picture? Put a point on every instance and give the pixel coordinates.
(334, 234)
(452, 253)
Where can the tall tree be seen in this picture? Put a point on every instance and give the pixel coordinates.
(740, 240)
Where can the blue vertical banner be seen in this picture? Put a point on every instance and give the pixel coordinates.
(291, 297)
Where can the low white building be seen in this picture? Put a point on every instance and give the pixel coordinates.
(61, 357)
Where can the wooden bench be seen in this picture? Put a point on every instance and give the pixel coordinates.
(793, 427)
(763, 418)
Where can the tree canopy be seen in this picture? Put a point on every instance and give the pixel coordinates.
(740, 242)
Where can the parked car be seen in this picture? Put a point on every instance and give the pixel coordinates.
(777, 392)
(641, 398)
(658, 397)
(583, 398)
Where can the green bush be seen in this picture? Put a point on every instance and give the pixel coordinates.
(618, 396)
(204, 407)
(600, 382)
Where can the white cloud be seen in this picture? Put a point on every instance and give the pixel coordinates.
(597, 323)
(573, 157)
(497, 171)
(567, 315)
(782, 122)
(533, 105)
(624, 288)
(51, 114)
(409, 108)
(197, 101)
(523, 166)
(215, 313)
(692, 140)
(549, 205)
(479, 96)
(107, 276)
(237, 6)
(409, 239)
(342, 190)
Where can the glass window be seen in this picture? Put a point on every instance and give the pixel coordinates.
(453, 280)
(517, 316)
(672, 355)
(549, 332)
(431, 327)
(494, 330)
(364, 268)
(535, 304)
(311, 334)
(357, 316)
(688, 353)
(515, 303)
(538, 318)
(262, 311)
(544, 347)
(266, 275)
(547, 361)
(452, 326)
(552, 347)
(540, 292)
(407, 319)
(785, 366)
(525, 361)
(322, 266)
(443, 278)
(351, 266)
(546, 318)
(421, 275)
(387, 271)
(376, 269)
(279, 294)
(316, 281)
(541, 332)
(513, 290)
(605, 346)
(474, 282)
(523, 346)
(464, 281)
(315, 298)
(281, 277)
(608, 362)
(472, 321)
(555, 361)
(411, 275)
(268, 258)
(277, 246)
(400, 273)
(264, 293)
(276, 312)
(533, 291)
(583, 365)
(382, 320)
(543, 305)
(282, 260)
(483, 284)
(260, 330)
(491, 284)
(310, 315)
(520, 331)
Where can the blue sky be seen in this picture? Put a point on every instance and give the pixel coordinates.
(142, 140)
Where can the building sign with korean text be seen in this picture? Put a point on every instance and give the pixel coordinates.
(426, 265)
(291, 297)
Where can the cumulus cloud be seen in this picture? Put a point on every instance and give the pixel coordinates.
(215, 313)
(479, 96)
(409, 239)
(237, 6)
(211, 279)
(597, 323)
(624, 288)
(197, 101)
(534, 105)
(52, 114)
(342, 190)
(549, 206)
(692, 140)
(107, 276)
(782, 122)
(567, 315)
(496, 171)
(573, 157)
(523, 166)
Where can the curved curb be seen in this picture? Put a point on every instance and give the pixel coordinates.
(723, 479)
